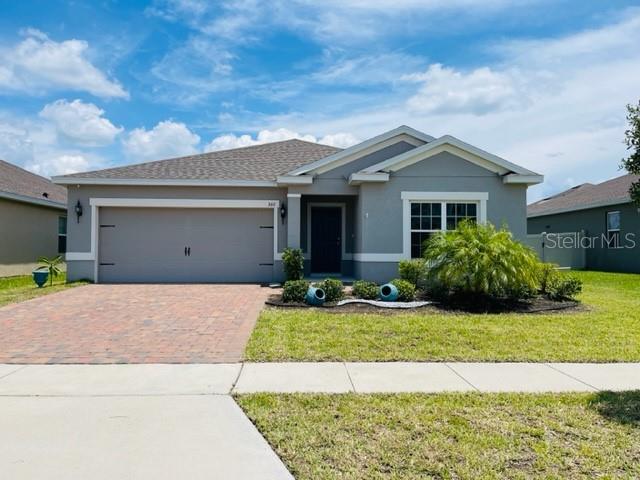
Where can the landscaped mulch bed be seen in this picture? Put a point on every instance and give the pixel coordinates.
(534, 305)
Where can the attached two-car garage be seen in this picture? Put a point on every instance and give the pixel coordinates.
(174, 244)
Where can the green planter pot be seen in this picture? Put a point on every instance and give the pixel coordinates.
(388, 292)
(40, 277)
(315, 296)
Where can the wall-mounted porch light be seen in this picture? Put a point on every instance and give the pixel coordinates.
(78, 210)
(283, 212)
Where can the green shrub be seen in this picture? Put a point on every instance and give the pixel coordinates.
(294, 291)
(406, 290)
(481, 261)
(365, 290)
(293, 261)
(566, 288)
(555, 285)
(413, 271)
(333, 289)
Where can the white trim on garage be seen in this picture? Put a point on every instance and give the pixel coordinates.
(62, 180)
(96, 203)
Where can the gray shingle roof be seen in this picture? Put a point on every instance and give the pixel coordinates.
(259, 162)
(17, 181)
(585, 196)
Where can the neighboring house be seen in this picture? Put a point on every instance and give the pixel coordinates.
(608, 222)
(33, 219)
(226, 216)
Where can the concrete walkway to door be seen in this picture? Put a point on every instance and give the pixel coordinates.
(97, 324)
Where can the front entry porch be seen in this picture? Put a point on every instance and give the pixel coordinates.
(323, 227)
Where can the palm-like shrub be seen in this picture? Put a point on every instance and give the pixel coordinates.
(52, 265)
(482, 261)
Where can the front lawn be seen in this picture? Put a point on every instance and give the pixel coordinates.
(470, 436)
(21, 288)
(608, 331)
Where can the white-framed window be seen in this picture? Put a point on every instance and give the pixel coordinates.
(430, 217)
(424, 213)
(613, 229)
(62, 234)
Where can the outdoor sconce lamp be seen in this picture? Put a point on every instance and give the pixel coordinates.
(78, 210)
(283, 212)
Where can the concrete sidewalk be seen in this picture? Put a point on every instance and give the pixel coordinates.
(140, 422)
(395, 377)
(322, 377)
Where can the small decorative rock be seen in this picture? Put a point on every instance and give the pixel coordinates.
(378, 303)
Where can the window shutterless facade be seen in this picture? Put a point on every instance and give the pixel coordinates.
(430, 217)
(613, 229)
(62, 234)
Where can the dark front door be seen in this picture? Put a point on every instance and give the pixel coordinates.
(326, 241)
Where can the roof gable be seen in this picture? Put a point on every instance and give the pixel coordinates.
(402, 133)
(511, 172)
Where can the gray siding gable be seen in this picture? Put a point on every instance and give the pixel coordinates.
(378, 156)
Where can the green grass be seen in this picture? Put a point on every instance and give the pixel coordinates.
(608, 331)
(21, 288)
(468, 436)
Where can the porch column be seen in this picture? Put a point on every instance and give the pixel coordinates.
(293, 220)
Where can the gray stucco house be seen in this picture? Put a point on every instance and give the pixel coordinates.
(604, 216)
(226, 216)
(33, 219)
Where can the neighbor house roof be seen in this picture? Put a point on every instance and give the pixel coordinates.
(584, 196)
(21, 185)
(251, 164)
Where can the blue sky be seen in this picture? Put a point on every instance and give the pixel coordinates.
(93, 84)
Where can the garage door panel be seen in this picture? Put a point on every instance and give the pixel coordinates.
(147, 245)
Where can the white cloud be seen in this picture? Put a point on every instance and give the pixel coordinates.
(227, 141)
(34, 145)
(64, 164)
(565, 119)
(82, 123)
(445, 90)
(167, 139)
(38, 64)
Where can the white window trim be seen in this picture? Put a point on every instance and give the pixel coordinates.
(343, 210)
(609, 230)
(445, 197)
(96, 203)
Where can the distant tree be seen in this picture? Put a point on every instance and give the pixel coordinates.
(632, 139)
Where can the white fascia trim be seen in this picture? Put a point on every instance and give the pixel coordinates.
(78, 256)
(358, 178)
(378, 257)
(294, 180)
(294, 195)
(526, 179)
(162, 182)
(457, 147)
(182, 203)
(361, 148)
(34, 201)
(608, 203)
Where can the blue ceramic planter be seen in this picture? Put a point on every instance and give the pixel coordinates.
(315, 296)
(40, 277)
(388, 292)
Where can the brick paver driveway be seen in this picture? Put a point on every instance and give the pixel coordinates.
(132, 324)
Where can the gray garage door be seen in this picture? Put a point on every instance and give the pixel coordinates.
(185, 245)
